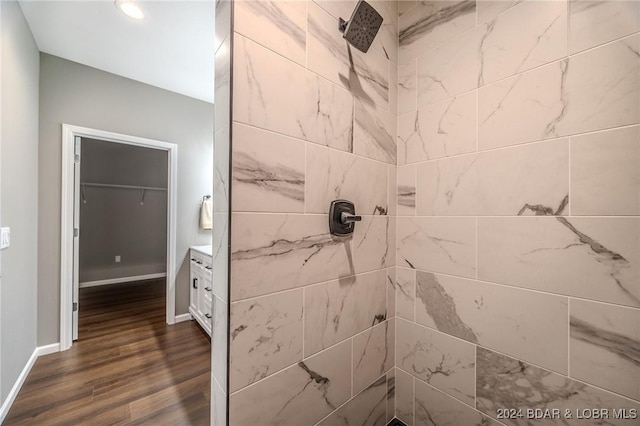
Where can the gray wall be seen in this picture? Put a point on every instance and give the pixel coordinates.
(113, 221)
(75, 94)
(19, 193)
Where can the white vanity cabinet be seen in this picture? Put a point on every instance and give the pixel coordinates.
(200, 285)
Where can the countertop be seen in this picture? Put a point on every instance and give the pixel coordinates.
(202, 249)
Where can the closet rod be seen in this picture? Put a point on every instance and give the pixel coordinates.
(108, 185)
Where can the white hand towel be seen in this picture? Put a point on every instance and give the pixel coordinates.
(206, 211)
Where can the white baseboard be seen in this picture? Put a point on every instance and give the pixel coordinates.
(48, 349)
(123, 280)
(13, 393)
(183, 317)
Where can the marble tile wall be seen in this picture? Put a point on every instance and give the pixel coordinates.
(221, 202)
(312, 318)
(517, 272)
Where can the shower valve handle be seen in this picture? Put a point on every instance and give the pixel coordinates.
(347, 218)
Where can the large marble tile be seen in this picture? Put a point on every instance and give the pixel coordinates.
(596, 22)
(452, 69)
(333, 175)
(372, 244)
(222, 86)
(274, 252)
(223, 22)
(392, 191)
(375, 133)
(486, 313)
(489, 9)
(219, 343)
(391, 394)
(330, 55)
(438, 359)
(405, 5)
(221, 154)
(338, 8)
(337, 310)
(605, 346)
(407, 87)
(404, 396)
(266, 336)
(435, 408)
(605, 172)
(391, 292)
(592, 258)
(265, 180)
(278, 25)
(438, 244)
(407, 190)
(279, 252)
(393, 88)
(218, 405)
(444, 129)
(504, 382)
(406, 293)
(526, 36)
(595, 90)
(276, 94)
(373, 354)
(602, 88)
(220, 255)
(392, 241)
(523, 108)
(430, 23)
(368, 408)
(500, 182)
(302, 394)
(386, 41)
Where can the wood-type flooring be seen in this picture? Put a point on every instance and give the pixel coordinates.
(127, 368)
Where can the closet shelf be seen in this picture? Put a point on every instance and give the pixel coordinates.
(108, 185)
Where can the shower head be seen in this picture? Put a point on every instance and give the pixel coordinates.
(362, 27)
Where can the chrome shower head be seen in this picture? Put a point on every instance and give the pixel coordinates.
(362, 27)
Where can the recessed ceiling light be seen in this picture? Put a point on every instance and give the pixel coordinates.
(129, 8)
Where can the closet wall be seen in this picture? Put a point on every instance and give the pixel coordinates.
(130, 223)
(76, 94)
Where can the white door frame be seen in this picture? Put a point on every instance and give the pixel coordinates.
(69, 133)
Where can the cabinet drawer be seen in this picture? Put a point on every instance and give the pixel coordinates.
(200, 260)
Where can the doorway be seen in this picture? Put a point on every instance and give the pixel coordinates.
(75, 193)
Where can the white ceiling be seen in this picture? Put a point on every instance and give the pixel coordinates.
(171, 48)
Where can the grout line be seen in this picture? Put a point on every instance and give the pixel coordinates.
(415, 84)
(477, 267)
(415, 295)
(475, 376)
(569, 169)
(413, 399)
(568, 337)
(477, 119)
(306, 34)
(353, 372)
(304, 313)
(569, 27)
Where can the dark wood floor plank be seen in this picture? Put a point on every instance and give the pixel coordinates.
(128, 366)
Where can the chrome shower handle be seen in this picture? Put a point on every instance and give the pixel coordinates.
(347, 218)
